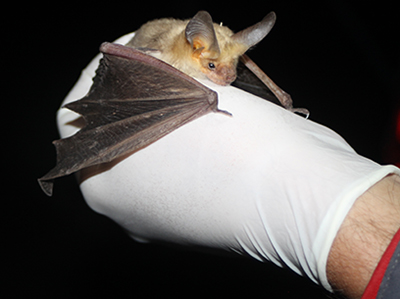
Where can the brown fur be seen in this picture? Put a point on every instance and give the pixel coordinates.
(168, 37)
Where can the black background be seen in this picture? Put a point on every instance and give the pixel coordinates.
(340, 60)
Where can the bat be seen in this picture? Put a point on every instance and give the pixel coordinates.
(203, 49)
(199, 47)
(145, 90)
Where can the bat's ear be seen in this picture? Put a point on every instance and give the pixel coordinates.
(201, 36)
(254, 34)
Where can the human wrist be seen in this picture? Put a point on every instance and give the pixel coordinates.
(364, 236)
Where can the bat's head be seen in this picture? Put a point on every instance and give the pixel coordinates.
(216, 50)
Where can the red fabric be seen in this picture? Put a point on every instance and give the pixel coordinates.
(373, 286)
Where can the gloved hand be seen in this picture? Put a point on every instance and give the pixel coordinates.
(264, 183)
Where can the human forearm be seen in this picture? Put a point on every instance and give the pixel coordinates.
(364, 236)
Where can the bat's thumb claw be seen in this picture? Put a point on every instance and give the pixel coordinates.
(224, 112)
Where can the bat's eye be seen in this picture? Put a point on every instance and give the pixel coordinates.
(211, 66)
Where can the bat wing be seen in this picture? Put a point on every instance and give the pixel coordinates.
(135, 100)
(249, 82)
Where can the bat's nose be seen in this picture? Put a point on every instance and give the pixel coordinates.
(230, 79)
(224, 75)
(227, 75)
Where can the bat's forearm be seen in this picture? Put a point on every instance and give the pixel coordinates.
(284, 98)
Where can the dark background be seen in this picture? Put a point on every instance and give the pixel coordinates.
(339, 60)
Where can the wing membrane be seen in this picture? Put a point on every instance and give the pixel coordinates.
(135, 100)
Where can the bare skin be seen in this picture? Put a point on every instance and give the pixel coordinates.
(364, 236)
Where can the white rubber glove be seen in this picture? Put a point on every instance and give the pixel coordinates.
(264, 182)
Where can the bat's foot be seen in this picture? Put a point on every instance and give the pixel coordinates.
(287, 102)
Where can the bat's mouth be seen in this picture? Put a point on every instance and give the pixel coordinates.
(225, 81)
(222, 75)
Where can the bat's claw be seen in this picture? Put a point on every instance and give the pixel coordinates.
(224, 112)
(302, 111)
